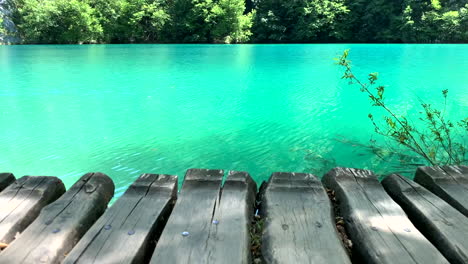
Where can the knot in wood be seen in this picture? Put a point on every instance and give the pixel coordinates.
(89, 188)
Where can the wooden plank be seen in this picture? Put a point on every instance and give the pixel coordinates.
(193, 213)
(380, 230)
(22, 201)
(123, 233)
(216, 220)
(6, 179)
(230, 238)
(442, 224)
(299, 222)
(448, 182)
(62, 223)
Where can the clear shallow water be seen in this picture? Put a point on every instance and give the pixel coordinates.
(128, 109)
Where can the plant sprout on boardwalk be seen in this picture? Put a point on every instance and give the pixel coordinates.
(432, 136)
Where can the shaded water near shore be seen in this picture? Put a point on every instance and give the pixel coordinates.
(128, 109)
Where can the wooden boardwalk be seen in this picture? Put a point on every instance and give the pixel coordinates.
(209, 220)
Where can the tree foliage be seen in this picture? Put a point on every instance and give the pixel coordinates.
(145, 20)
(58, 21)
(231, 26)
(300, 20)
(434, 21)
(108, 14)
(2, 28)
(219, 21)
(373, 21)
(239, 21)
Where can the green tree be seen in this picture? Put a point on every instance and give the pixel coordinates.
(109, 13)
(210, 21)
(58, 21)
(145, 20)
(433, 21)
(300, 21)
(150, 21)
(230, 23)
(237, 21)
(373, 20)
(191, 20)
(2, 27)
(463, 34)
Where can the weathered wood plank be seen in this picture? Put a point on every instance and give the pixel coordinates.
(230, 238)
(299, 222)
(123, 233)
(380, 230)
(6, 179)
(22, 201)
(442, 224)
(62, 223)
(216, 220)
(193, 213)
(448, 182)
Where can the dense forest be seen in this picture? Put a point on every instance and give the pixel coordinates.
(235, 21)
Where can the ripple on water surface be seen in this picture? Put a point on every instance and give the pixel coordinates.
(129, 109)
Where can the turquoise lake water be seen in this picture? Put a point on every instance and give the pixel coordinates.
(129, 109)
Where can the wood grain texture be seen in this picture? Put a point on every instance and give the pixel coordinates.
(6, 179)
(62, 223)
(22, 201)
(448, 182)
(380, 230)
(123, 233)
(442, 224)
(217, 220)
(299, 222)
(230, 239)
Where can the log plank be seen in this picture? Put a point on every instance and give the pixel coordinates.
(299, 222)
(230, 238)
(22, 201)
(448, 182)
(380, 230)
(124, 232)
(216, 221)
(442, 224)
(6, 179)
(62, 223)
